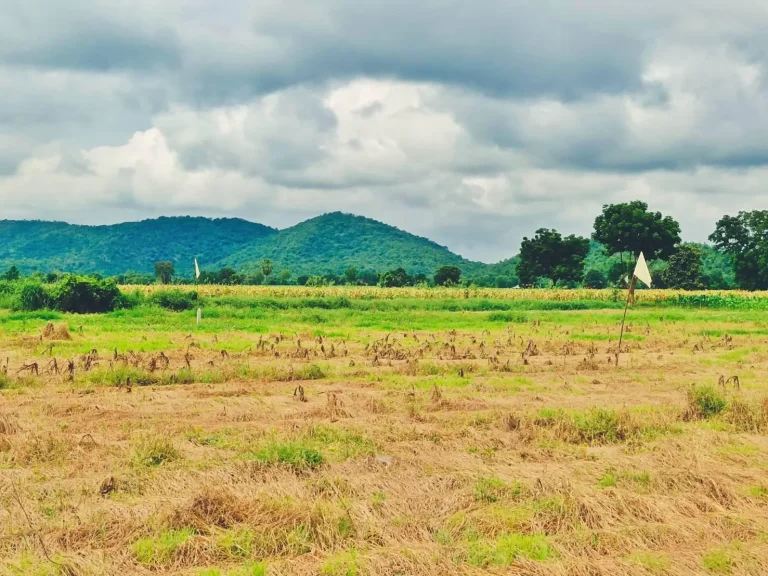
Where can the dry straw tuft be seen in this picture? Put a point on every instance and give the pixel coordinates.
(56, 332)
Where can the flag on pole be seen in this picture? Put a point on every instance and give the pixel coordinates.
(641, 271)
(644, 275)
(197, 270)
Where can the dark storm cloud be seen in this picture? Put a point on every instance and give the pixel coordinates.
(472, 122)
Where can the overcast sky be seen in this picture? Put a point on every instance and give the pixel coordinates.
(471, 122)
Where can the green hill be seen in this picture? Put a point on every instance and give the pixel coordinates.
(331, 243)
(57, 246)
(328, 244)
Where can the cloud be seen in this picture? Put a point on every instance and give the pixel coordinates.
(473, 124)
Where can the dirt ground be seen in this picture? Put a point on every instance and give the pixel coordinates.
(523, 450)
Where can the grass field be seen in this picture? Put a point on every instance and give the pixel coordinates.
(349, 432)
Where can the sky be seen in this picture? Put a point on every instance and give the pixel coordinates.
(470, 122)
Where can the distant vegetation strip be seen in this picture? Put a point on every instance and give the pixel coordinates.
(704, 298)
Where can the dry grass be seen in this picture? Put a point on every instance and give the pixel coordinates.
(517, 451)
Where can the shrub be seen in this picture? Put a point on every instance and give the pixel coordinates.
(84, 295)
(175, 300)
(33, 297)
(704, 402)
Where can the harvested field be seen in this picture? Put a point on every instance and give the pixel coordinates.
(365, 437)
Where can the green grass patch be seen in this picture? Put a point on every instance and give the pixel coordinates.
(342, 564)
(296, 455)
(504, 550)
(247, 569)
(160, 549)
(718, 561)
(653, 562)
(149, 451)
(236, 543)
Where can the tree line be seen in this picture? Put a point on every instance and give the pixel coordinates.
(607, 258)
(625, 230)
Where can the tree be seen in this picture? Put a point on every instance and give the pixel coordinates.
(447, 276)
(255, 278)
(745, 239)
(228, 276)
(549, 255)
(164, 272)
(12, 274)
(285, 276)
(595, 279)
(420, 278)
(629, 227)
(395, 278)
(683, 270)
(350, 275)
(266, 267)
(368, 277)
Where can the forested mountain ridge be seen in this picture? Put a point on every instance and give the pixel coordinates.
(36, 245)
(327, 244)
(331, 243)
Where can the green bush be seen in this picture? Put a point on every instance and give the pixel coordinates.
(84, 295)
(705, 401)
(33, 296)
(175, 300)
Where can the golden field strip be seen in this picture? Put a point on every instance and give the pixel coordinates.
(406, 438)
(437, 293)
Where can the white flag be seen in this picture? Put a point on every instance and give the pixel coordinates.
(641, 271)
(197, 270)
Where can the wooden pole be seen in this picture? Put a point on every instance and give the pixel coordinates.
(623, 318)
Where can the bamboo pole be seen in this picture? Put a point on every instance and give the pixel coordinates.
(623, 318)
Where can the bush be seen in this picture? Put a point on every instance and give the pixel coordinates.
(175, 300)
(33, 297)
(705, 402)
(83, 295)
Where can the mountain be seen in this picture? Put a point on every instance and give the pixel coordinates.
(57, 246)
(327, 244)
(331, 243)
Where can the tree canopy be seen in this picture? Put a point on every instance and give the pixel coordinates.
(549, 255)
(631, 228)
(164, 271)
(745, 239)
(684, 270)
(447, 275)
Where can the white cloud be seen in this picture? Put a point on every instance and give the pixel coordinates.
(472, 127)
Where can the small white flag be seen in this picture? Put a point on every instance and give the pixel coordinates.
(641, 271)
(197, 270)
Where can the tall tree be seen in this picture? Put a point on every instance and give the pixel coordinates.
(631, 228)
(164, 272)
(683, 269)
(266, 267)
(447, 276)
(350, 275)
(745, 239)
(549, 255)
